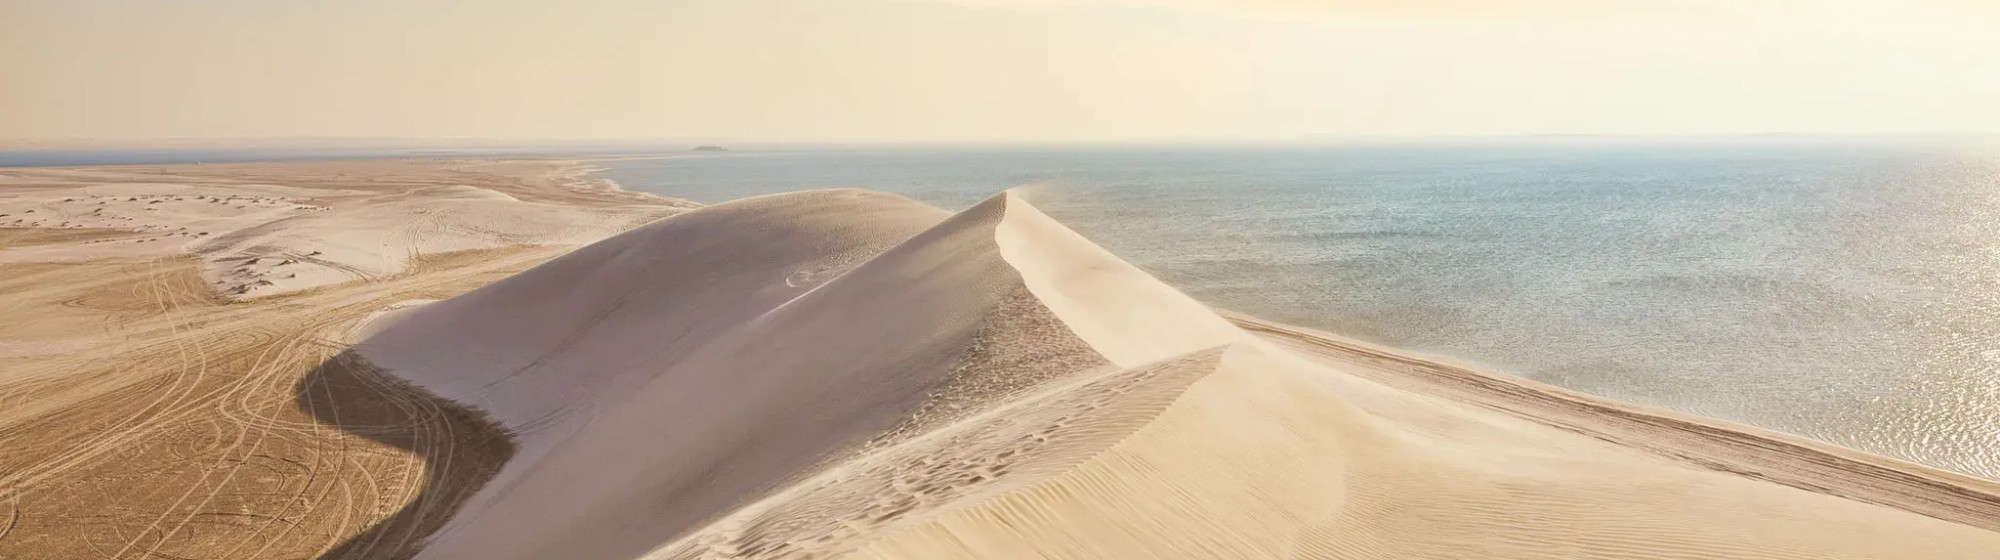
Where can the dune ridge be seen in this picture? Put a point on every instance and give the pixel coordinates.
(854, 309)
(852, 374)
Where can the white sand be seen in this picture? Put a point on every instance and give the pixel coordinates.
(259, 239)
(848, 373)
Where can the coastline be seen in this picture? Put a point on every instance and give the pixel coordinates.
(584, 175)
(1703, 441)
(177, 352)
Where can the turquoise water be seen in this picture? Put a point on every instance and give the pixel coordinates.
(1848, 292)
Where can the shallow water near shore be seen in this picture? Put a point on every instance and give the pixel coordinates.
(1844, 291)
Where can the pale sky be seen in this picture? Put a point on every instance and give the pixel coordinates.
(993, 70)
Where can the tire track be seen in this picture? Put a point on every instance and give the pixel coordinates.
(223, 391)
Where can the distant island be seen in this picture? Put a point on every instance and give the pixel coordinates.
(710, 149)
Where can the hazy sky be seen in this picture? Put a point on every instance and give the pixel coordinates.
(1001, 70)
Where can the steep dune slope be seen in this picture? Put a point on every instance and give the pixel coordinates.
(851, 373)
(662, 378)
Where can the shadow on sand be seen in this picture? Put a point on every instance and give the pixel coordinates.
(460, 449)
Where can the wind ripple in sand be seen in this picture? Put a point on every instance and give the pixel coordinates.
(990, 453)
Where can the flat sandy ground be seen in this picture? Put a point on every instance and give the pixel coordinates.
(147, 412)
(385, 359)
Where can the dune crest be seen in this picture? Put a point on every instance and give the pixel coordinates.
(1127, 315)
(849, 373)
(662, 379)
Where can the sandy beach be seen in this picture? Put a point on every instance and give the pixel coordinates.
(515, 359)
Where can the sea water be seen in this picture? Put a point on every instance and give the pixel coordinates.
(1847, 291)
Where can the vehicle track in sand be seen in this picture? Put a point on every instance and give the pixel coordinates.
(144, 416)
(217, 429)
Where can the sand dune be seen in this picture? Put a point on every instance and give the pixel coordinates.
(848, 373)
(821, 374)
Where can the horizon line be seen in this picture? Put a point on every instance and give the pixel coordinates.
(165, 142)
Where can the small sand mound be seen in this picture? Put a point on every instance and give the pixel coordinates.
(468, 192)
